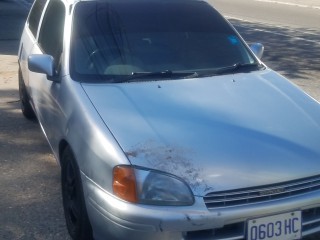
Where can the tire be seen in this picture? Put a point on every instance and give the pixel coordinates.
(75, 212)
(25, 105)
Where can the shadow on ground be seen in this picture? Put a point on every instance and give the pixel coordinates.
(292, 52)
(30, 202)
(12, 19)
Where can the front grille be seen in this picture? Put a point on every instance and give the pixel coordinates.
(246, 196)
(237, 231)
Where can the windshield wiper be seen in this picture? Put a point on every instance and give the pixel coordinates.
(239, 67)
(157, 75)
(168, 74)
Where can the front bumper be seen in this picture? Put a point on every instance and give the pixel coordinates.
(112, 218)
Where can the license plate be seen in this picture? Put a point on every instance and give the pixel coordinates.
(286, 226)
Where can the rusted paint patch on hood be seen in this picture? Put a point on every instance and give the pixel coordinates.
(170, 159)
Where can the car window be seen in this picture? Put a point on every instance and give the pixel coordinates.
(35, 15)
(115, 38)
(52, 29)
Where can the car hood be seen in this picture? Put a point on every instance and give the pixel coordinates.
(217, 133)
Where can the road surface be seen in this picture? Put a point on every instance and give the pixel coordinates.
(290, 13)
(290, 31)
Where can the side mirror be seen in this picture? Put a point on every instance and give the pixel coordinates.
(257, 49)
(42, 63)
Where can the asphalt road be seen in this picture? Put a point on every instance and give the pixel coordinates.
(290, 32)
(301, 14)
(30, 200)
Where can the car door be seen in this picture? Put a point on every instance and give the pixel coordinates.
(45, 92)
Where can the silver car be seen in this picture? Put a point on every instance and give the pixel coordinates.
(167, 125)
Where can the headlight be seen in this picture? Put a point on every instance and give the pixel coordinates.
(150, 187)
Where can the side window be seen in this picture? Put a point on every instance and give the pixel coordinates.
(35, 15)
(52, 29)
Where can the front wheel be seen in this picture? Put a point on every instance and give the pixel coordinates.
(73, 199)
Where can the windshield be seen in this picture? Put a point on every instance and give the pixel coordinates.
(112, 40)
